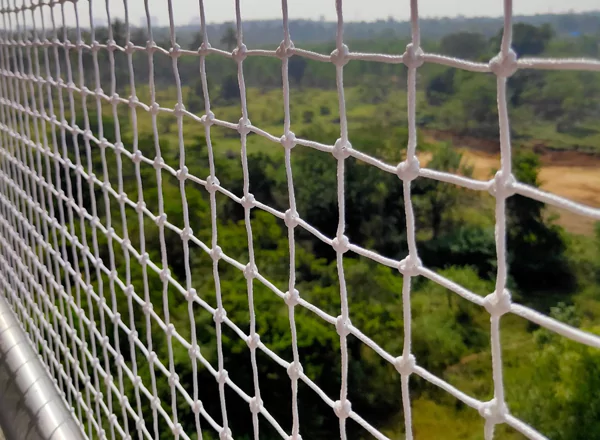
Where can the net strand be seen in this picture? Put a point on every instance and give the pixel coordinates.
(48, 267)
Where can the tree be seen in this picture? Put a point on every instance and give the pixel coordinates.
(536, 248)
(558, 396)
(465, 45)
(527, 39)
(436, 201)
(196, 42)
(440, 88)
(230, 88)
(296, 67)
(229, 38)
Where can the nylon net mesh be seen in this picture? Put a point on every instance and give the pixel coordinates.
(64, 293)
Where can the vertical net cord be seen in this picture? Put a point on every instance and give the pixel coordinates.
(154, 112)
(82, 221)
(247, 201)
(70, 215)
(496, 410)
(136, 155)
(173, 379)
(70, 195)
(212, 184)
(118, 149)
(12, 123)
(291, 216)
(100, 275)
(408, 171)
(58, 182)
(197, 405)
(94, 226)
(37, 276)
(342, 148)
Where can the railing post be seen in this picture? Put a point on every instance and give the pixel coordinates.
(31, 406)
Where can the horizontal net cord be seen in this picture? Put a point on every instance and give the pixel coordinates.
(585, 64)
(547, 322)
(465, 182)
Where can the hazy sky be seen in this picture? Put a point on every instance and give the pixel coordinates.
(354, 10)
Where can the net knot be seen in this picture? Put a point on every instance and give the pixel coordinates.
(216, 253)
(158, 163)
(295, 370)
(256, 405)
(151, 47)
(147, 308)
(291, 218)
(341, 244)
(292, 298)
(212, 184)
(140, 206)
(208, 119)
(220, 315)
(175, 51)
(239, 54)
(173, 380)
(503, 185)
(115, 99)
(133, 101)
(339, 56)
(409, 169)
(252, 341)
(225, 434)
(177, 430)
(116, 317)
(288, 140)
(111, 45)
(154, 108)
(250, 271)
(493, 411)
(140, 424)
(498, 304)
(144, 258)
(284, 50)
(197, 406)
(179, 110)
(129, 48)
(342, 326)
(190, 294)
(413, 57)
(244, 126)
(341, 149)
(133, 336)
(504, 65)
(410, 266)
(405, 365)
(137, 157)
(170, 330)
(248, 201)
(194, 351)
(94, 47)
(186, 233)
(182, 173)
(342, 408)
(222, 376)
(204, 49)
(160, 220)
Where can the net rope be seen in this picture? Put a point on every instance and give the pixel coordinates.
(45, 288)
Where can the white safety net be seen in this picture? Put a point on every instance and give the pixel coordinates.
(64, 293)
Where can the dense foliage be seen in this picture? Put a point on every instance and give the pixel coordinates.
(455, 238)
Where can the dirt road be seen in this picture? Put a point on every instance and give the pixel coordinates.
(569, 174)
